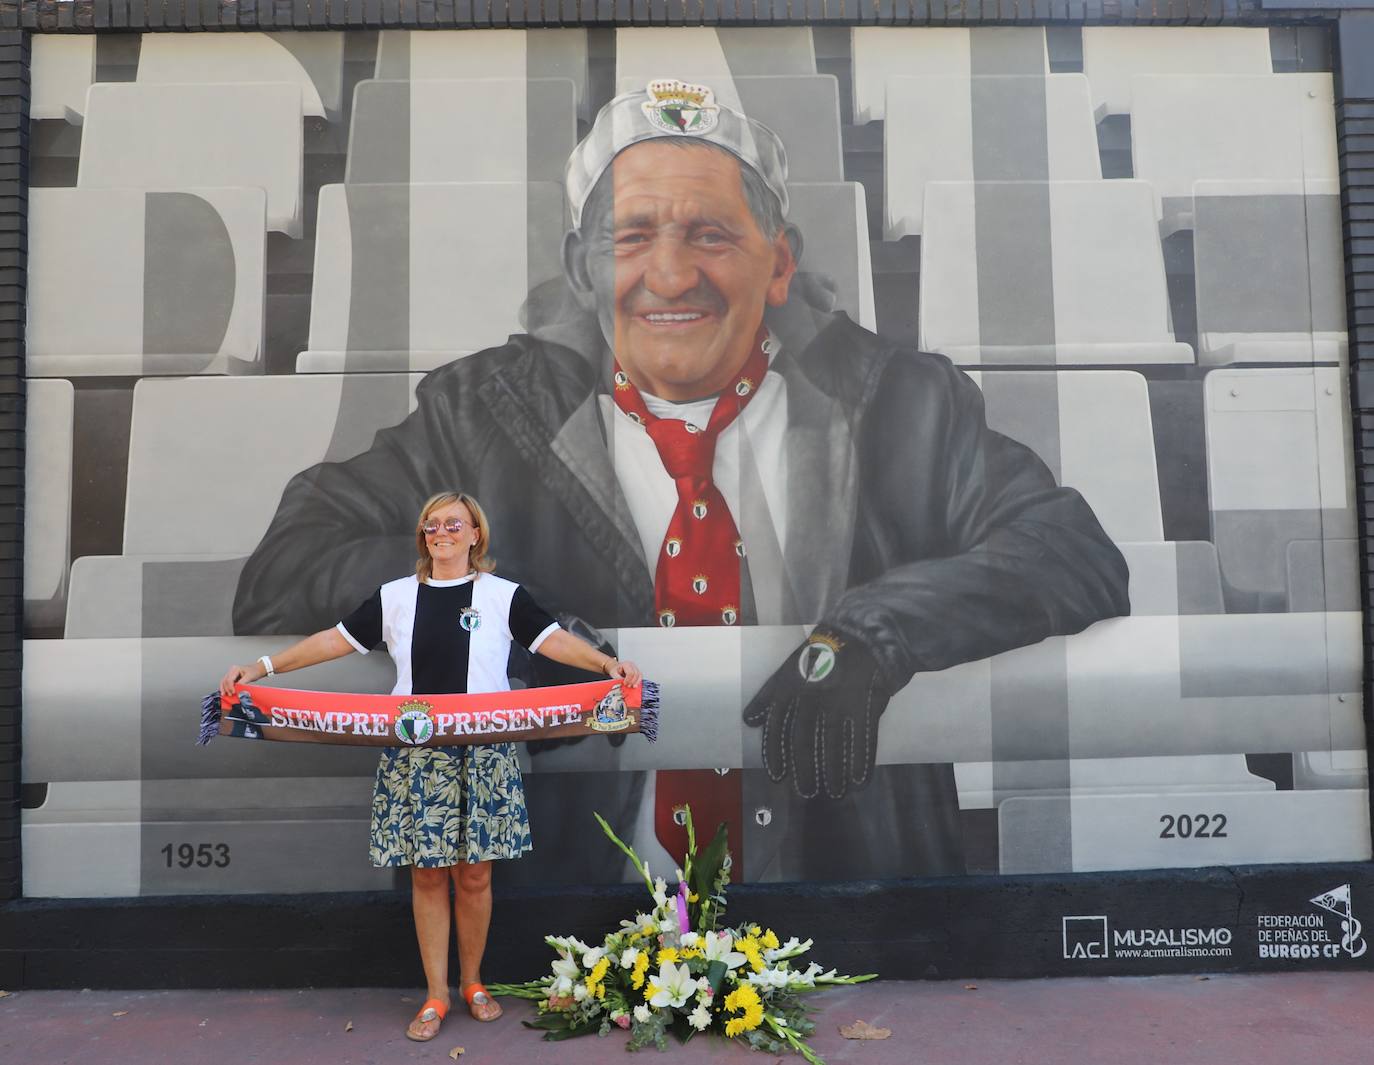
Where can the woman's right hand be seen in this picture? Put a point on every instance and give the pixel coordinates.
(239, 675)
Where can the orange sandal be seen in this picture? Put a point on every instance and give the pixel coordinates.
(470, 994)
(432, 1010)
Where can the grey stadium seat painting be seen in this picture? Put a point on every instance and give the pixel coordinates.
(50, 419)
(159, 137)
(409, 277)
(474, 129)
(1045, 273)
(172, 282)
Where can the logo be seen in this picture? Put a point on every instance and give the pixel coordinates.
(817, 658)
(1088, 937)
(672, 546)
(634, 417)
(676, 107)
(622, 379)
(744, 387)
(692, 430)
(414, 725)
(611, 714)
(1085, 937)
(1307, 936)
(699, 584)
(698, 508)
(729, 615)
(1337, 901)
(739, 548)
(470, 619)
(667, 618)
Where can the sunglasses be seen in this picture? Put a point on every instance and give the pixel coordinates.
(452, 525)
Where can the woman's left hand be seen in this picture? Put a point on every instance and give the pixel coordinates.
(626, 672)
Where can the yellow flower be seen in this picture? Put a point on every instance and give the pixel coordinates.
(650, 991)
(770, 940)
(749, 947)
(637, 973)
(667, 955)
(744, 997)
(752, 1018)
(755, 931)
(692, 896)
(598, 972)
(691, 952)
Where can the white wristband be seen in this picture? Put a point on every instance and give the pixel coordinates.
(267, 665)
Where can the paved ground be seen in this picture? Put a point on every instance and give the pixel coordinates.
(1304, 1018)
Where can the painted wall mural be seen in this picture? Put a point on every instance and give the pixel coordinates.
(1074, 590)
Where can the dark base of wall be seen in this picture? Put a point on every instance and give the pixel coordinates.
(1209, 920)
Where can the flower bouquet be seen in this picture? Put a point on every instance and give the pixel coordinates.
(675, 970)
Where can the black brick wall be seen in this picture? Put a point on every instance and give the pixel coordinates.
(14, 154)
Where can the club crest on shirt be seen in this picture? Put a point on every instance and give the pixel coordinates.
(414, 725)
(611, 714)
(699, 509)
(677, 107)
(672, 547)
(470, 619)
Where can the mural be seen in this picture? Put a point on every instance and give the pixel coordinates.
(1028, 544)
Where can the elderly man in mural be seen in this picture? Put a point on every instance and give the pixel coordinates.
(690, 437)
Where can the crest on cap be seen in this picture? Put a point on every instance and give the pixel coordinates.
(676, 107)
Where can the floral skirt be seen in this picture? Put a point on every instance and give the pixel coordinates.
(434, 806)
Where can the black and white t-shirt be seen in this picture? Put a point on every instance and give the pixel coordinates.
(448, 637)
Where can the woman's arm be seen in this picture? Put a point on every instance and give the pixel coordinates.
(563, 646)
(323, 646)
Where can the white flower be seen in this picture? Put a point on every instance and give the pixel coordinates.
(675, 986)
(771, 978)
(700, 1018)
(718, 948)
(642, 1013)
(660, 893)
(790, 949)
(591, 957)
(566, 973)
(690, 939)
(628, 958)
(579, 992)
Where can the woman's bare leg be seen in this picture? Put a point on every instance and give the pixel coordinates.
(472, 915)
(429, 901)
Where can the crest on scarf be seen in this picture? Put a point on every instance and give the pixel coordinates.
(699, 509)
(667, 618)
(413, 724)
(672, 546)
(699, 584)
(611, 714)
(680, 108)
(729, 615)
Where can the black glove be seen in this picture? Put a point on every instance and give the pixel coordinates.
(819, 714)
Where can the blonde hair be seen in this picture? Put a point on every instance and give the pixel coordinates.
(478, 558)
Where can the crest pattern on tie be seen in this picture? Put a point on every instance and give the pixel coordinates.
(697, 575)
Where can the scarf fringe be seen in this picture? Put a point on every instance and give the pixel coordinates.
(210, 715)
(648, 710)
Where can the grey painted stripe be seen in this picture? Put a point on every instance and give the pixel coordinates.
(1030, 722)
(1012, 222)
(188, 277)
(1007, 50)
(379, 142)
(1025, 407)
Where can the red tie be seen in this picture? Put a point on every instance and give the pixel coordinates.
(697, 578)
(697, 582)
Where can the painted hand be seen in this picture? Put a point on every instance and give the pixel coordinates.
(819, 714)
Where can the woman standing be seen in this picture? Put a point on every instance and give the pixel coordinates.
(446, 812)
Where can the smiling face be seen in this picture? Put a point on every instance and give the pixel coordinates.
(449, 550)
(679, 269)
